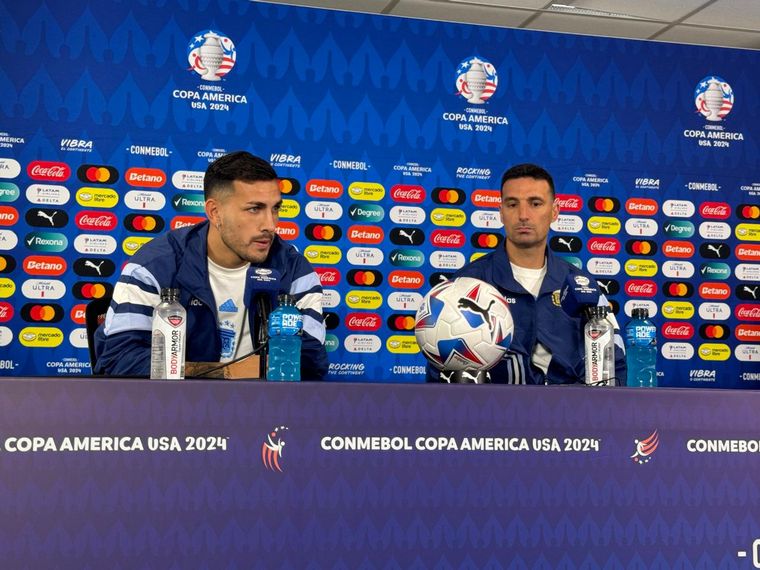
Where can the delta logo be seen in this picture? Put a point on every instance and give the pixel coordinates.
(144, 223)
(328, 277)
(48, 265)
(97, 174)
(448, 196)
(8, 215)
(678, 249)
(677, 331)
(641, 207)
(37, 313)
(603, 246)
(747, 252)
(287, 230)
(323, 232)
(713, 291)
(324, 189)
(569, 203)
(48, 171)
(640, 288)
(401, 279)
(715, 210)
(98, 221)
(408, 194)
(363, 321)
(604, 204)
(486, 198)
(641, 247)
(145, 177)
(365, 234)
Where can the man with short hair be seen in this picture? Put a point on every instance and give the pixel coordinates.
(547, 346)
(211, 264)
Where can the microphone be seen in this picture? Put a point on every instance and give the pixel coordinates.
(578, 294)
(262, 285)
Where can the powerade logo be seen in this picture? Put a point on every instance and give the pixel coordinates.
(715, 270)
(46, 241)
(366, 213)
(407, 258)
(679, 228)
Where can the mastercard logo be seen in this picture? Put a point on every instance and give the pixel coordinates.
(323, 232)
(40, 337)
(7, 264)
(448, 196)
(289, 186)
(403, 323)
(89, 291)
(144, 223)
(38, 313)
(748, 212)
(714, 332)
(97, 174)
(641, 247)
(364, 277)
(678, 289)
(604, 204)
(486, 240)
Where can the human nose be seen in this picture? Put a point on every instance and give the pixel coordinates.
(270, 221)
(522, 211)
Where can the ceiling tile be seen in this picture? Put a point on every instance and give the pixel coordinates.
(711, 37)
(733, 14)
(652, 9)
(451, 12)
(590, 25)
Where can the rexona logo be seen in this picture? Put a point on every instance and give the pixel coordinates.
(287, 230)
(49, 242)
(604, 204)
(603, 225)
(603, 246)
(747, 312)
(748, 232)
(97, 197)
(448, 217)
(323, 254)
(640, 288)
(679, 229)
(145, 177)
(324, 189)
(144, 200)
(715, 270)
(641, 207)
(365, 234)
(747, 252)
(486, 198)
(328, 276)
(363, 321)
(324, 232)
(185, 221)
(51, 265)
(407, 257)
(714, 291)
(447, 238)
(408, 194)
(97, 174)
(641, 267)
(364, 299)
(678, 331)
(402, 344)
(8, 215)
(144, 223)
(678, 310)
(401, 279)
(568, 202)
(714, 351)
(678, 249)
(365, 277)
(189, 202)
(50, 171)
(132, 244)
(40, 337)
(448, 196)
(747, 333)
(678, 289)
(369, 191)
(714, 210)
(99, 221)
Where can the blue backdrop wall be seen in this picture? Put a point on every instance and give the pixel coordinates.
(390, 135)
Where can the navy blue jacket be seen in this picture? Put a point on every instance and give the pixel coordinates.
(179, 259)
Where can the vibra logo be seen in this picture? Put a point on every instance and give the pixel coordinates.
(145, 177)
(647, 183)
(324, 189)
(48, 171)
(486, 198)
(641, 207)
(702, 375)
(408, 193)
(567, 202)
(51, 265)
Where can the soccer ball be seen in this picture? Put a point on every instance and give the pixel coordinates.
(464, 324)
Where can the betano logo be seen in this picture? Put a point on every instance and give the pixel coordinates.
(365, 234)
(400, 279)
(357, 299)
(641, 207)
(287, 230)
(603, 225)
(323, 254)
(324, 189)
(132, 244)
(714, 351)
(711, 290)
(368, 191)
(747, 252)
(8, 215)
(48, 265)
(486, 198)
(77, 314)
(40, 337)
(185, 221)
(449, 217)
(97, 197)
(747, 333)
(678, 249)
(402, 344)
(678, 310)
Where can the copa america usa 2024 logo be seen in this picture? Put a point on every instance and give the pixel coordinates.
(271, 450)
(476, 80)
(714, 98)
(211, 55)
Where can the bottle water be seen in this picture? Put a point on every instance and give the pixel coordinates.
(641, 350)
(167, 348)
(599, 342)
(285, 325)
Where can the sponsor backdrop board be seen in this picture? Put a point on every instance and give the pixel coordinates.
(390, 135)
(251, 475)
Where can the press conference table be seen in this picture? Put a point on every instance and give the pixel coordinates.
(212, 474)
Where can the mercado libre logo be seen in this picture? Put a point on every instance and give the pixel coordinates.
(271, 450)
(476, 80)
(211, 55)
(645, 448)
(714, 98)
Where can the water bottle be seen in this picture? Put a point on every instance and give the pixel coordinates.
(641, 349)
(167, 347)
(285, 324)
(599, 343)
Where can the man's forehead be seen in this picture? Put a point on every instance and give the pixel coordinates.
(526, 187)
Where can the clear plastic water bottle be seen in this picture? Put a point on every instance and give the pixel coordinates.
(167, 348)
(599, 343)
(641, 350)
(285, 325)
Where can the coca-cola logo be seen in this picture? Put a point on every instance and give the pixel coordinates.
(407, 193)
(748, 312)
(328, 276)
(6, 312)
(680, 331)
(363, 321)
(43, 170)
(715, 210)
(569, 202)
(641, 288)
(96, 220)
(603, 246)
(447, 238)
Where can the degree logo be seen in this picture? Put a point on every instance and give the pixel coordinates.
(323, 232)
(143, 223)
(211, 54)
(9, 192)
(679, 229)
(36, 313)
(271, 450)
(604, 204)
(97, 174)
(324, 189)
(448, 196)
(371, 213)
(40, 337)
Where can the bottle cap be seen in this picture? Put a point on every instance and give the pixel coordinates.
(169, 293)
(640, 313)
(598, 312)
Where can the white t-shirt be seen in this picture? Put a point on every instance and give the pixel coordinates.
(531, 280)
(228, 286)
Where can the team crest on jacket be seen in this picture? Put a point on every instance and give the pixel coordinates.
(271, 450)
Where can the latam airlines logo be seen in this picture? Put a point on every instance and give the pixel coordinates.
(211, 55)
(476, 80)
(714, 98)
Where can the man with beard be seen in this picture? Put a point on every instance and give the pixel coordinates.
(211, 264)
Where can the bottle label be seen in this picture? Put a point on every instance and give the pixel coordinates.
(169, 330)
(641, 335)
(285, 323)
(599, 344)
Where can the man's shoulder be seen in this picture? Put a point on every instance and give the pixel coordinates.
(479, 267)
(174, 242)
